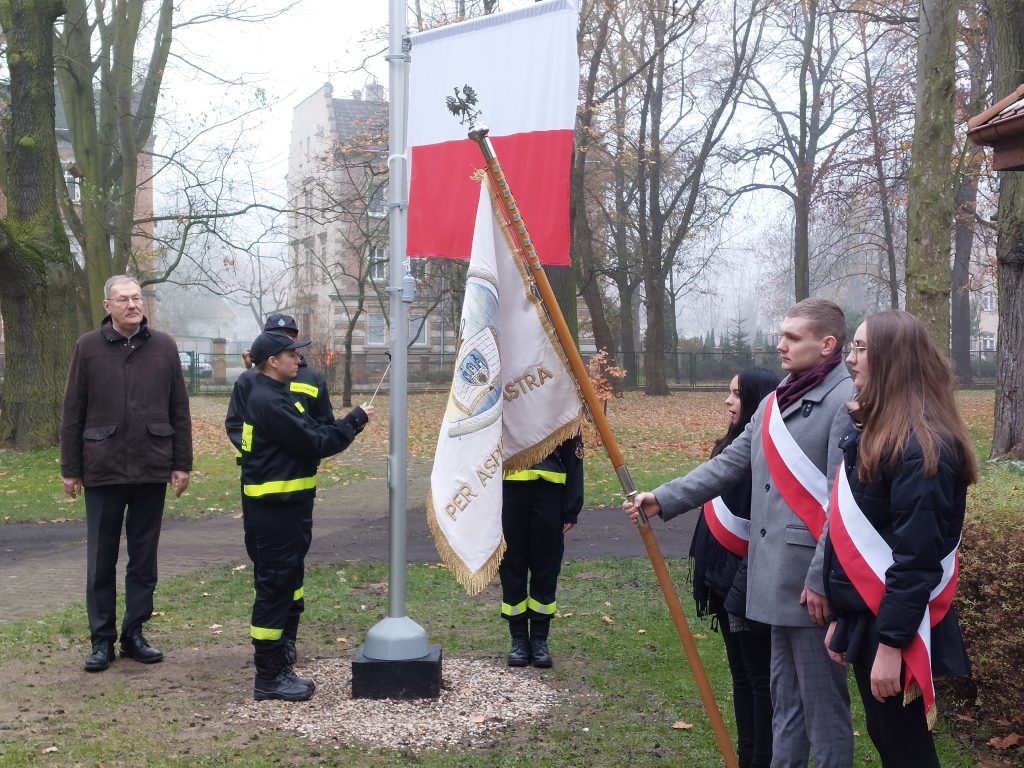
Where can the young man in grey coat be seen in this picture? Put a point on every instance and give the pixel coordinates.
(792, 465)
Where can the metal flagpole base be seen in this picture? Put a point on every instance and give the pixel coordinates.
(396, 662)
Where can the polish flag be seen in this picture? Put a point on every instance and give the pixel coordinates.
(524, 68)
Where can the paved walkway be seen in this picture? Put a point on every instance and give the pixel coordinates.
(42, 566)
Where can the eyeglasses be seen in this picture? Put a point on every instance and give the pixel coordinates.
(124, 300)
(856, 349)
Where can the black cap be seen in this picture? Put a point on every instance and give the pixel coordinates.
(281, 323)
(268, 344)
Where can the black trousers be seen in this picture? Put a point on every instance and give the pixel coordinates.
(531, 520)
(277, 538)
(750, 654)
(105, 508)
(899, 733)
(291, 628)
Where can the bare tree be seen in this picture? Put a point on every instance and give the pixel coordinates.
(802, 142)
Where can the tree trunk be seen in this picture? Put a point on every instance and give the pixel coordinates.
(963, 239)
(930, 203)
(36, 292)
(1008, 437)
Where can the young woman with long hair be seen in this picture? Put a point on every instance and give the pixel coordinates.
(720, 586)
(895, 520)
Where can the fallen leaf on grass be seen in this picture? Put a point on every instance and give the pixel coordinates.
(587, 575)
(241, 567)
(237, 517)
(608, 620)
(641, 631)
(478, 718)
(966, 718)
(682, 725)
(49, 749)
(1005, 742)
(341, 640)
(215, 626)
(699, 636)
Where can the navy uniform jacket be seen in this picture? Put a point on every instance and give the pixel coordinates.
(567, 460)
(282, 446)
(309, 388)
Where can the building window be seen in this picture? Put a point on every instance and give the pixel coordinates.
(987, 342)
(375, 329)
(418, 268)
(340, 317)
(378, 198)
(378, 264)
(417, 329)
(988, 302)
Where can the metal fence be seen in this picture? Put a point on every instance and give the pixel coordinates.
(433, 371)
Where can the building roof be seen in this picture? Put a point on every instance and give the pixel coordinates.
(1001, 126)
(359, 116)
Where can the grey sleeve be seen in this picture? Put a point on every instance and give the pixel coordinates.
(707, 481)
(840, 423)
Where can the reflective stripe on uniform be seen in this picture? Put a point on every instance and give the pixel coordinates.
(265, 633)
(536, 474)
(246, 437)
(513, 610)
(304, 389)
(298, 594)
(280, 486)
(548, 610)
(299, 406)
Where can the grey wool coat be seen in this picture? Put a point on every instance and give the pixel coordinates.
(783, 556)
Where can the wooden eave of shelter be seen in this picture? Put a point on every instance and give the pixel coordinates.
(1001, 127)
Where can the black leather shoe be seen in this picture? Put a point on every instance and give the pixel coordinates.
(291, 654)
(539, 653)
(101, 656)
(287, 686)
(136, 647)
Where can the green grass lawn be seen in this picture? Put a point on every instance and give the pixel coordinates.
(622, 684)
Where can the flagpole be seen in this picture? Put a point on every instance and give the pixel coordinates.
(524, 245)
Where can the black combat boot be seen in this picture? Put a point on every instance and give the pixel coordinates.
(519, 656)
(276, 680)
(539, 643)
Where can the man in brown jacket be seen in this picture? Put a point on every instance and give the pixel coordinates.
(126, 434)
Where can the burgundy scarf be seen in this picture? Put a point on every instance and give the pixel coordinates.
(799, 384)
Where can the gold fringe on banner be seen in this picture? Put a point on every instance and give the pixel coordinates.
(537, 453)
(473, 583)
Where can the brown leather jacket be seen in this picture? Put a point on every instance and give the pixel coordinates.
(126, 414)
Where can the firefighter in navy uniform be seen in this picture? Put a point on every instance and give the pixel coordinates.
(539, 506)
(309, 389)
(281, 447)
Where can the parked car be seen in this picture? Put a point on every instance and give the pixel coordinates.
(203, 369)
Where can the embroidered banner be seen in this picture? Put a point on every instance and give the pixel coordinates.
(513, 400)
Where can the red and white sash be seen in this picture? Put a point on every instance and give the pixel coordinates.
(801, 484)
(729, 530)
(866, 558)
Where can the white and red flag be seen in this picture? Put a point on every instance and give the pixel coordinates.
(513, 400)
(524, 67)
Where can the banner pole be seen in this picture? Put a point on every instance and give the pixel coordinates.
(513, 219)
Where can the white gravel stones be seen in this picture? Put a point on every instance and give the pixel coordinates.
(478, 698)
